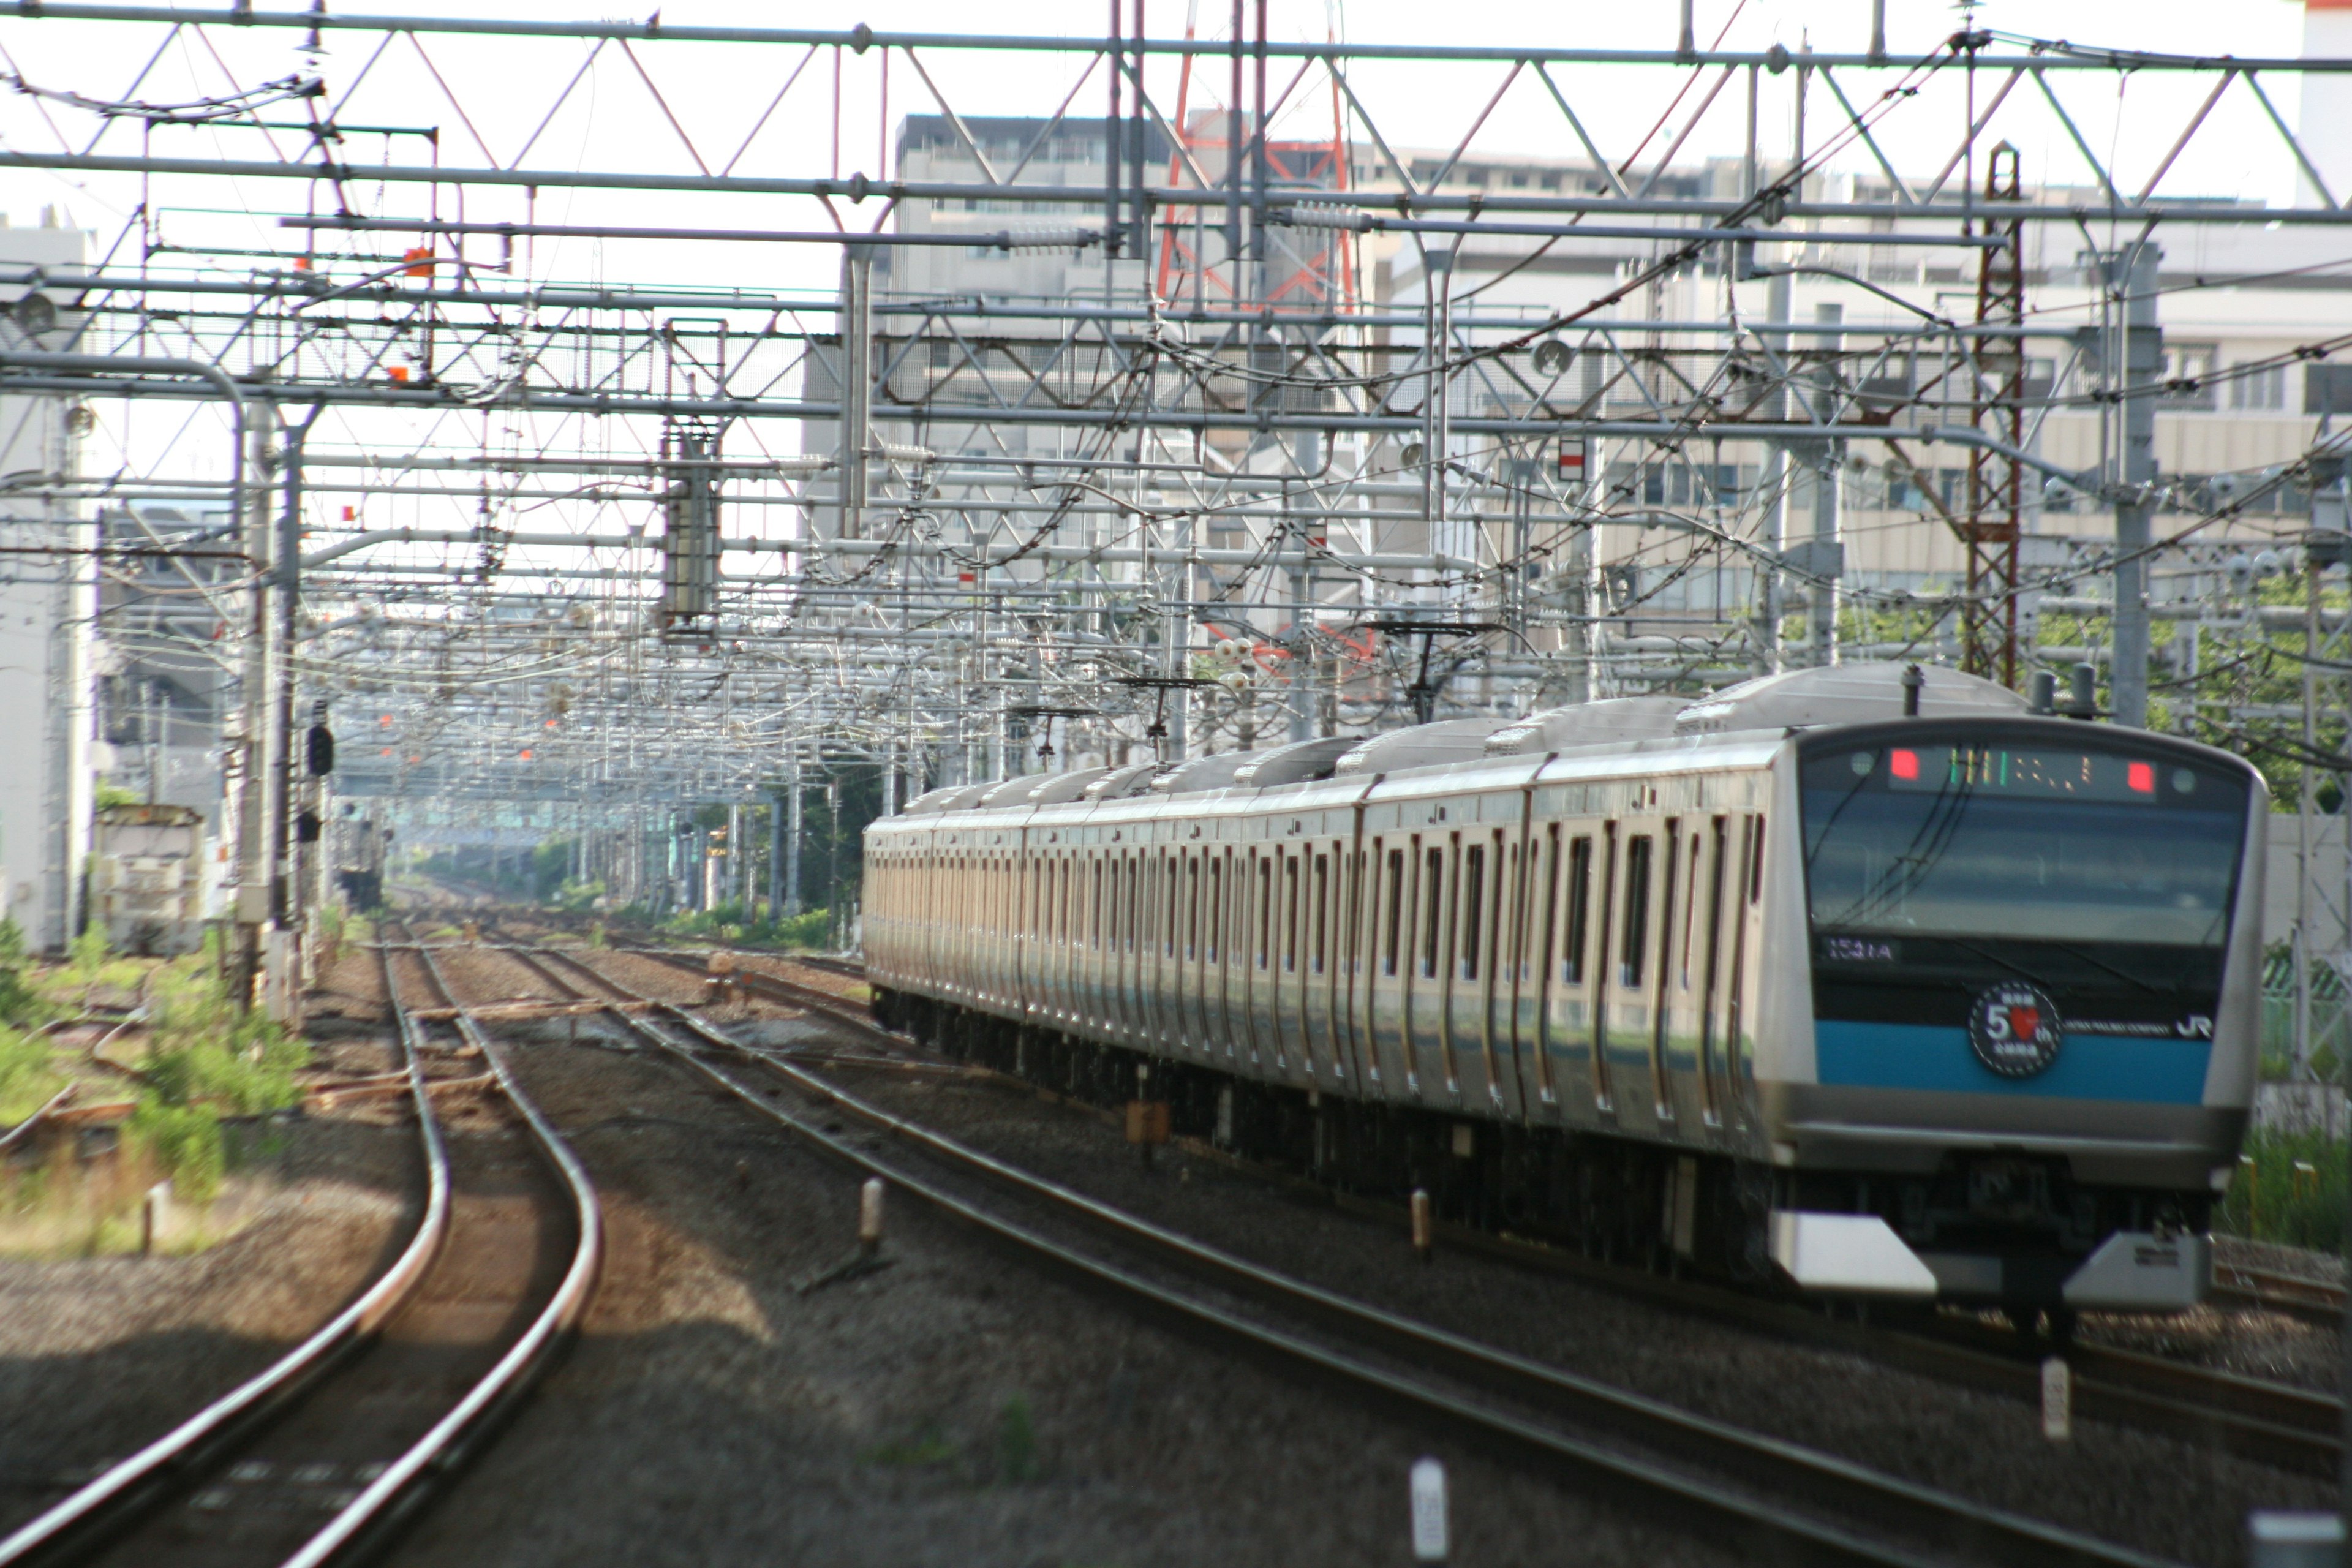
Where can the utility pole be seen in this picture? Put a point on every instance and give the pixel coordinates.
(856, 359)
(252, 749)
(286, 955)
(775, 857)
(2140, 357)
(1777, 305)
(792, 838)
(1826, 560)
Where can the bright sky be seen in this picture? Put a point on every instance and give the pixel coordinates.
(530, 103)
(717, 95)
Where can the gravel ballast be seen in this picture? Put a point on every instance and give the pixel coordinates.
(960, 1407)
(2151, 1491)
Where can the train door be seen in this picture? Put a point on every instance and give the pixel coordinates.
(1393, 965)
(1102, 933)
(1477, 874)
(1168, 989)
(1521, 990)
(1265, 913)
(1060, 939)
(1297, 886)
(1194, 1005)
(1505, 908)
(1182, 998)
(1712, 1090)
(1136, 915)
(1318, 1036)
(1119, 887)
(1688, 1024)
(1746, 899)
(1546, 946)
(1650, 988)
(1425, 1012)
(1353, 862)
(1388, 964)
(1151, 937)
(1241, 877)
(1616, 858)
(1216, 932)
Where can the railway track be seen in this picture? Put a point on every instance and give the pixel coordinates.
(1809, 1506)
(323, 1455)
(2270, 1423)
(2314, 1300)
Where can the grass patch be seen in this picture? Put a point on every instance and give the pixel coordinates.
(923, 1449)
(1018, 1457)
(2290, 1188)
(28, 1075)
(808, 933)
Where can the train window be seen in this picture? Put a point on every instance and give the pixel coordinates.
(1396, 907)
(1264, 910)
(1474, 893)
(1575, 930)
(1636, 928)
(1290, 916)
(1217, 906)
(1667, 888)
(1175, 892)
(1523, 894)
(1192, 924)
(1690, 910)
(1756, 866)
(1352, 870)
(1322, 909)
(1433, 909)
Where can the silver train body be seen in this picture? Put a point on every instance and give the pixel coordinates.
(1957, 1003)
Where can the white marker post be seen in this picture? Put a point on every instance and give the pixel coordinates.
(1429, 1543)
(2057, 1400)
(869, 1218)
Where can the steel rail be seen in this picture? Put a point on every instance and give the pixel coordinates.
(109, 1501)
(17, 1134)
(2315, 1300)
(1769, 1465)
(384, 1500)
(2271, 1423)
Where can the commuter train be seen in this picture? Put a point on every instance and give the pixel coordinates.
(1864, 981)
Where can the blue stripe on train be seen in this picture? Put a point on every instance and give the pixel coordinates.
(2089, 1066)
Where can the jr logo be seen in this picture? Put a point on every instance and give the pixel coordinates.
(2015, 1030)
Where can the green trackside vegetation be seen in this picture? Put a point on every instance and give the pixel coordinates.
(188, 1058)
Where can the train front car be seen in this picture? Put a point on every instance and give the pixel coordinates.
(2033, 949)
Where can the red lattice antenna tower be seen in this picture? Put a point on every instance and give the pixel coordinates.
(1307, 269)
(1996, 510)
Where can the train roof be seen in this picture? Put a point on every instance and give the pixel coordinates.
(1573, 741)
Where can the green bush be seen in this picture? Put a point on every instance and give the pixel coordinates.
(89, 952)
(731, 922)
(20, 1004)
(2270, 1200)
(205, 1057)
(28, 1076)
(186, 1141)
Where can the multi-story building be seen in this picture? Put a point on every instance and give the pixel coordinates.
(49, 601)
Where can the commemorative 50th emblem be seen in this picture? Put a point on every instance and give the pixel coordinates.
(2014, 1029)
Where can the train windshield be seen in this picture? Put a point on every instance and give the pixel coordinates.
(2067, 844)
